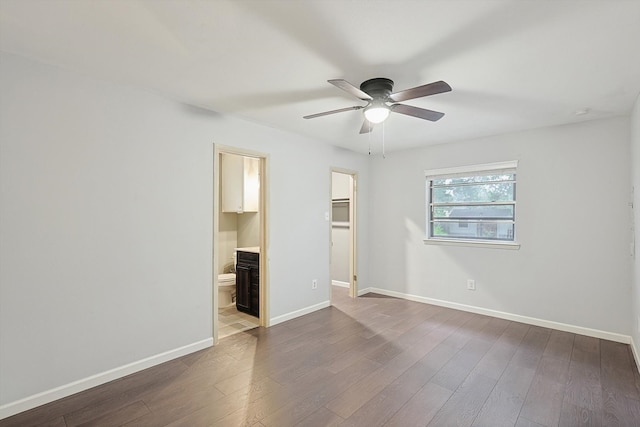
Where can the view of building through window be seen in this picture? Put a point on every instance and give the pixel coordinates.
(478, 206)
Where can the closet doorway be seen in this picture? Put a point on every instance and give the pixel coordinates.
(344, 277)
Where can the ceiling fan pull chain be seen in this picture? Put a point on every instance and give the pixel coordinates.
(369, 139)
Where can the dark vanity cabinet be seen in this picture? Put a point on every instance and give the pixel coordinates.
(248, 283)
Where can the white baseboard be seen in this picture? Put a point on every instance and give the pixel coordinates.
(634, 350)
(340, 283)
(611, 336)
(364, 291)
(279, 319)
(48, 396)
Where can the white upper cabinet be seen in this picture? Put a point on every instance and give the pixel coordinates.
(240, 183)
(340, 186)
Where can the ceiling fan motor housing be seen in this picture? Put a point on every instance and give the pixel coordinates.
(379, 88)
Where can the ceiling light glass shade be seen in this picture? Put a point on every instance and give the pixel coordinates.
(376, 113)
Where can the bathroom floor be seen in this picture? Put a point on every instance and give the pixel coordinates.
(231, 321)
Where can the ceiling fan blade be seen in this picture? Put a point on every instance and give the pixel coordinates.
(367, 126)
(420, 91)
(326, 113)
(348, 87)
(420, 113)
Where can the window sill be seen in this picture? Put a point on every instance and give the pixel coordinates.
(473, 243)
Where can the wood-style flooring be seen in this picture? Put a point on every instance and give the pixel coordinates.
(373, 361)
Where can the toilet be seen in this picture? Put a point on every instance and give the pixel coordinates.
(226, 289)
(227, 286)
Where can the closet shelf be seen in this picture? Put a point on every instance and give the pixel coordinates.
(340, 224)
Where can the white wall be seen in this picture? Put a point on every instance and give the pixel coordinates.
(106, 224)
(635, 284)
(573, 224)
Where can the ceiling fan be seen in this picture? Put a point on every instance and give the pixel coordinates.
(377, 92)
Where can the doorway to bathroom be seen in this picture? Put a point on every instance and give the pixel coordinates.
(344, 278)
(240, 279)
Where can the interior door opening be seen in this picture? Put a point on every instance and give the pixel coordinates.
(240, 278)
(343, 233)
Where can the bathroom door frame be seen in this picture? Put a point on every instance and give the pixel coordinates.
(264, 231)
(353, 249)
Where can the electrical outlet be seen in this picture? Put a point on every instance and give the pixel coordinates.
(314, 284)
(471, 285)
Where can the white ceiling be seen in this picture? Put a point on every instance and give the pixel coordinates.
(512, 64)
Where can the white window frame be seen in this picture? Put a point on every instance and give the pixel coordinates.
(432, 174)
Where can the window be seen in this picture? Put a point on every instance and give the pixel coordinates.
(472, 204)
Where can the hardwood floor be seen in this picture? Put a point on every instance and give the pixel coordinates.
(373, 361)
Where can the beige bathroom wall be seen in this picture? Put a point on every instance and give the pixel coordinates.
(227, 239)
(248, 229)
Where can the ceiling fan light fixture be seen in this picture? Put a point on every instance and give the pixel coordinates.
(377, 112)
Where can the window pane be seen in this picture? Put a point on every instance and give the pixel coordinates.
(478, 206)
(475, 178)
(473, 230)
(489, 192)
(474, 212)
